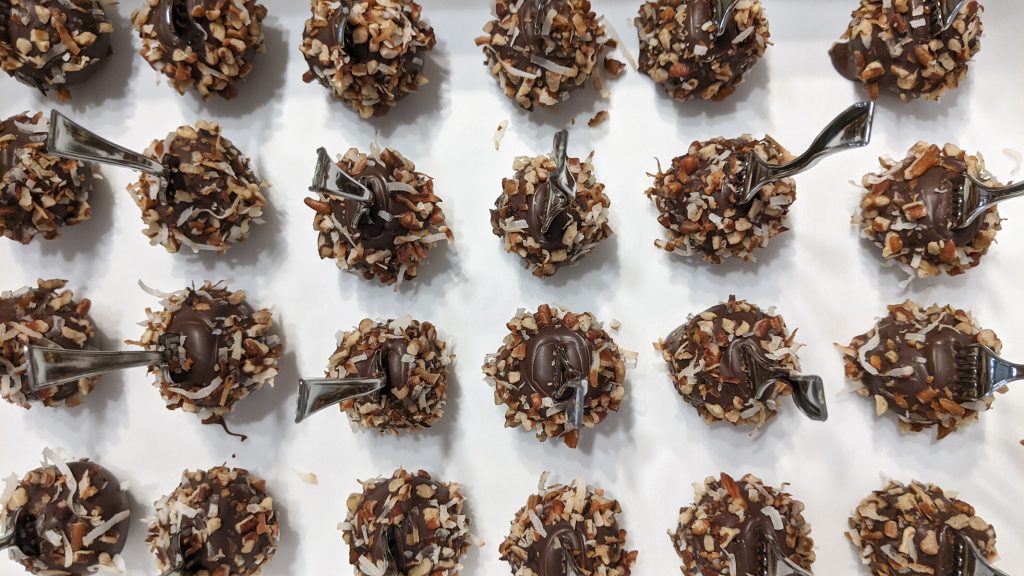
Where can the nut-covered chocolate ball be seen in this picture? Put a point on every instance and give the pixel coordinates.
(724, 531)
(544, 355)
(216, 522)
(72, 518)
(909, 209)
(53, 44)
(897, 46)
(224, 349)
(47, 316)
(414, 364)
(546, 239)
(208, 199)
(368, 53)
(709, 368)
(541, 51)
(202, 45)
(39, 193)
(391, 236)
(682, 50)
(907, 363)
(903, 529)
(568, 519)
(697, 200)
(414, 521)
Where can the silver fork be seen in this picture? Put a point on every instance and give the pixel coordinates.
(315, 394)
(776, 561)
(721, 13)
(572, 566)
(969, 561)
(851, 129)
(981, 372)
(22, 534)
(50, 367)
(561, 182)
(974, 198)
(808, 390)
(70, 140)
(384, 544)
(572, 379)
(946, 12)
(333, 181)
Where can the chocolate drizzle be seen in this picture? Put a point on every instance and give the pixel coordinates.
(366, 225)
(176, 28)
(201, 321)
(542, 369)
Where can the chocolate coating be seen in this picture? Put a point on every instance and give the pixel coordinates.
(44, 316)
(519, 212)
(210, 198)
(368, 54)
(531, 384)
(899, 48)
(70, 513)
(234, 531)
(723, 532)
(39, 193)
(708, 367)
(420, 520)
(540, 57)
(907, 364)
(53, 44)
(681, 51)
(697, 200)
(415, 364)
(908, 210)
(201, 45)
(575, 516)
(902, 529)
(390, 240)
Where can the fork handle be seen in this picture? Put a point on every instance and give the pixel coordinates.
(70, 140)
(7, 540)
(49, 367)
(809, 396)
(317, 394)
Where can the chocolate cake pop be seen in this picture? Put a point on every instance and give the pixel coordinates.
(548, 361)
(228, 350)
(541, 51)
(44, 316)
(73, 517)
(900, 47)
(723, 532)
(388, 235)
(216, 522)
(568, 519)
(369, 54)
(697, 200)
(53, 44)
(903, 529)
(683, 51)
(908, 210)
(907, 363)
(39, 193)
(201, 45)
(412, 521)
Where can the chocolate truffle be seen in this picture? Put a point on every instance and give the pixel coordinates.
(908, 211)
(708, 364)
(568, 519)
(531, 371)
(907, 364)
(39, 193)
(520, 213)
(216, 522)
(541, 51)
(723, 532)
(904, 529)
(228, 350)
(77, 518)
(201, 45)
(390, 239)
(681, 48)
(209, 198)
(898, 46)
(415, 369)
(697, 200)
(53, 44)
(44, 316)
(369, 54)
(414, 520)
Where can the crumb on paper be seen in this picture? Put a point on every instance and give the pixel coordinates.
(307, 477)
(615, 324)
(598, 119)
(614, 67)
(499, 134)
(1017, 159)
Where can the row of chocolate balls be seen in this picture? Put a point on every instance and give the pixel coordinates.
(208, 198)
(906, 363)
(370, 54)
(73, 517)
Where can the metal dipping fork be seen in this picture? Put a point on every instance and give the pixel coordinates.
(808, 391)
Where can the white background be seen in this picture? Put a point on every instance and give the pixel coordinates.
(823, 278)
